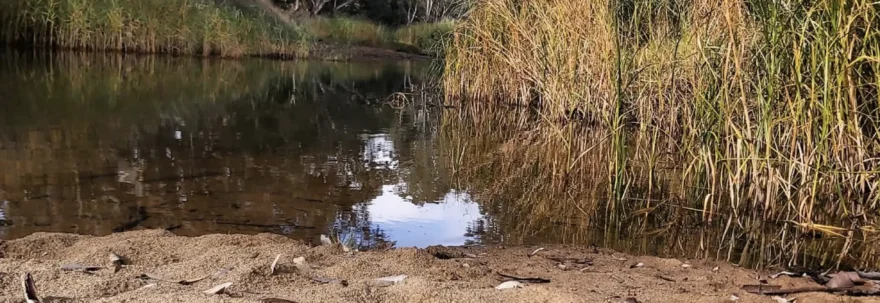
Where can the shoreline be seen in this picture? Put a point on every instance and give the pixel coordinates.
(320, 52)
(434, 274)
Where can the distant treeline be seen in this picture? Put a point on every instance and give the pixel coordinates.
(389, 12)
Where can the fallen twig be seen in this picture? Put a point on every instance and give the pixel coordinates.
(525, 279)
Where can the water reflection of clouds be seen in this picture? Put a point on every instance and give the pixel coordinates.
(442, 223)
(396, 217)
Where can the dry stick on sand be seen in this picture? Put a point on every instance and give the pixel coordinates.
(181, 282)
(274, 263)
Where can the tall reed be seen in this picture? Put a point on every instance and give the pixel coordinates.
(198, 27)
(770, 108)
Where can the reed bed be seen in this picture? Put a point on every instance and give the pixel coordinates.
(769, 108)
(190, 27)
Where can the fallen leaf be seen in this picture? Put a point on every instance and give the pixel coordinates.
(30, 288)
(784, 273)
(329, 280)
(715, 269)
(325, 240)
(388, 281)
(618, 258)
(509, 285)
(536, 252)
(686, 265)
(274, 263)
(734, 298)
(276, 300)
(219, 289)
(181, 282)
(637, 265)
(783, 300)
(525, 279)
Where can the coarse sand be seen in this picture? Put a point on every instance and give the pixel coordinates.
(434, 274)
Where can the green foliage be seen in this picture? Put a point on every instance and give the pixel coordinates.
(164, 26)
(429, 38)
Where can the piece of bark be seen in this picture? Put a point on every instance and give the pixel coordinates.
(30, 289)
(117, 261)
(80, 267)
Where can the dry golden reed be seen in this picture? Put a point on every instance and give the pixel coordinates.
(769, 108)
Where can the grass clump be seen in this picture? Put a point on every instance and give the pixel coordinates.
(429, 38)
(425, 38)
(770, 109)
(197, 27)
(347, 30)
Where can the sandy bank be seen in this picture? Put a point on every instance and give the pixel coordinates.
(435, 274)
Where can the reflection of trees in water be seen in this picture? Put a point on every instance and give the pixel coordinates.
(536, 187)
(250, 146)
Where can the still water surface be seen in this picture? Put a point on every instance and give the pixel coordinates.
(94, 144)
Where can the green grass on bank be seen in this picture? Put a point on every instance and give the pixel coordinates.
(424, 38)
(196, 27)
(165, 26)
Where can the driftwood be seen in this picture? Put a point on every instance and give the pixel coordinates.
(845, 283)
(848, 291)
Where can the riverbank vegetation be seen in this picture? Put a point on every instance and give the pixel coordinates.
(169, 26)
(758, 113)
(226, 28)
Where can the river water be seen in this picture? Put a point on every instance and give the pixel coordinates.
(94, 144)
(97, 143)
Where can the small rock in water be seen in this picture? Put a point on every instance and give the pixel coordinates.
(509, 285)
